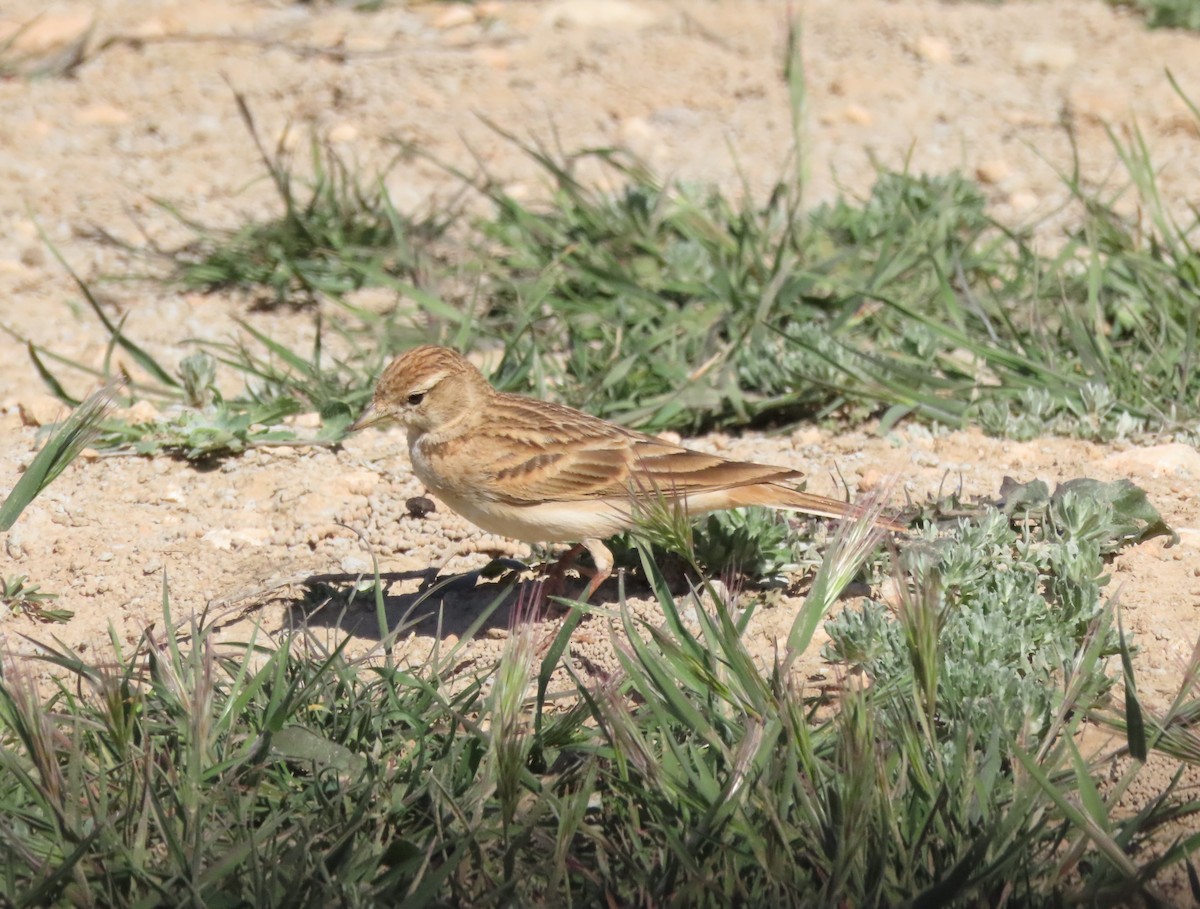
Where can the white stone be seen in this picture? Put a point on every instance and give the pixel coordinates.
(598, 14)
(1173, 458)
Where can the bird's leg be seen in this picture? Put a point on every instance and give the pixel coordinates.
(604, 566)
(600, 555)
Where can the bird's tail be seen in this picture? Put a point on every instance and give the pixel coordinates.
(775, 495)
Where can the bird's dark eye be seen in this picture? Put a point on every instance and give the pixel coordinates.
(416, 397)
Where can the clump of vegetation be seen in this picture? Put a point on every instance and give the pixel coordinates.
(19, 597)
(1166, 13)
(64, 445)
(196, 421)
(338, 231)
(666, 305)
(682, 309)
(278, 772)
(194, 769)
(18, 61)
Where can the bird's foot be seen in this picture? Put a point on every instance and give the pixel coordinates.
(555, 582)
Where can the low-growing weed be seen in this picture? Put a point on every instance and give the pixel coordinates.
(19, 597)
(282, 772)
(81, 428)
(670, 305)
(1166, 13)
(340, 233)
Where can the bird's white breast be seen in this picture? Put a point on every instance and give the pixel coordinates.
(544, 522)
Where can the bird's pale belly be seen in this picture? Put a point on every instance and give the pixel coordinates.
(544, 522)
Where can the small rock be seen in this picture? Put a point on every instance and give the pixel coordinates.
(932, 49)
(1189, 537)
(149, 28)
(14, 543)
(354, 564)
(317, 507)
(992, 170)
(598, 14)
(890, 593)
(1019, 116)
(636, 131)
(360, 482)
(252, 536)
(495, 57)
(1023, 201)
(858, 681)
(343, 133)
(32, 130)
(373, 299)
(221, 538)
(102, 115)
(105, 556)
(173, 496)
(225, 539)
(454, 15)
(41, 410)
(304, 421)
(721, 594)
(1052, 58)
(1097, 105)
(805, 436)
(210, 17)
(870, 478)
(857, 114)
(1175, 457)
(315, 533)
(47, 34)
(518, 191)
(324, 33)
(140, 412)
(372, 42)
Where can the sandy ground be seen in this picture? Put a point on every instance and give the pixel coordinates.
(986, 88)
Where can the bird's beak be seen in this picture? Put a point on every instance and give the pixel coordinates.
(369, 417)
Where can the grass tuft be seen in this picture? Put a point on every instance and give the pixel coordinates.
(1166, 13)
(278, 772)
(338, 233)
(666, 305)
(63, 446)
(19, 597)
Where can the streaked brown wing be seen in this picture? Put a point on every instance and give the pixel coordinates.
(657, 466)
(589, 458)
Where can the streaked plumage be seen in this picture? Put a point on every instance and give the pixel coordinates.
(543, 473)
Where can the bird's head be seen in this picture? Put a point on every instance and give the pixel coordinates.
(425, 389)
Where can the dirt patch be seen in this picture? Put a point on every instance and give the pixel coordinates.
(985, 88)
(150, 114)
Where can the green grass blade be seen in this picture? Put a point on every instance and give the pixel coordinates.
(140, 356)
(63, 446)
(1135, 724)
(49, 378)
